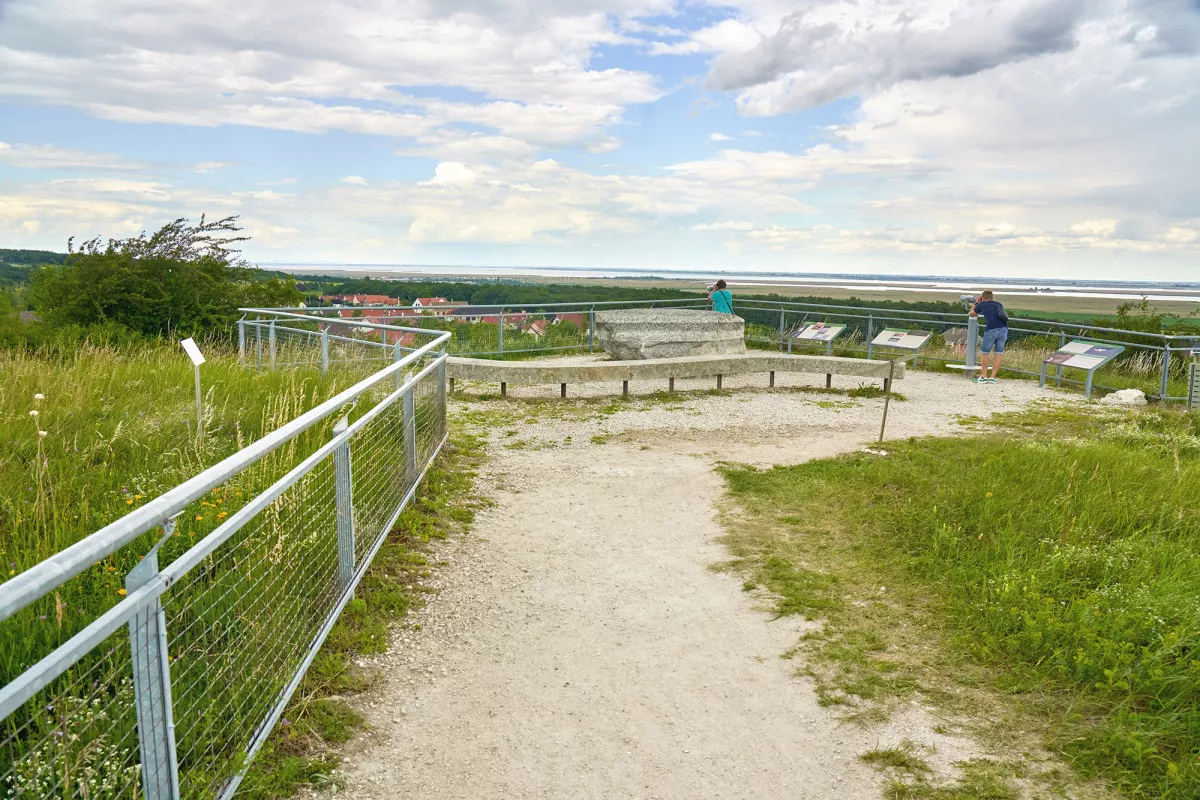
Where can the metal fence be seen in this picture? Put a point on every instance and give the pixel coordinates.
(172, 690)
(1156, 362)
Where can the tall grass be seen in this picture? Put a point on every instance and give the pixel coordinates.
(1067, 562)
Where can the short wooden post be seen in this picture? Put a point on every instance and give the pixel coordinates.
(503, 389)
(625, 388)
(828, 381)
(452, 386)
(670, 384)
(719, 376)
(772, 384)
(563, 390)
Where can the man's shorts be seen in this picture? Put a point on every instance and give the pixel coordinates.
(994, 339)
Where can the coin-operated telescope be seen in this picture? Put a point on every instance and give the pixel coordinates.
(968, 301)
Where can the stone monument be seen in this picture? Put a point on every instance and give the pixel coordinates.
(643, 333)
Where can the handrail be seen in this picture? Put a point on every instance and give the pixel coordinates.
(37, 581)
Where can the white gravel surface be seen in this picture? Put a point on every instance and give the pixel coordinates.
(580, 646)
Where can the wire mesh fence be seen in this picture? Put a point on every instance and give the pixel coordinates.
(171, 691)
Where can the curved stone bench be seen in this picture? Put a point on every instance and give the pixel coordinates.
(547, 372)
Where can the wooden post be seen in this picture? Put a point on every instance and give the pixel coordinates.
(670, 384)
(452, 386)
(503, 389)
(563, 392)
(828, 381)
(625, 388)
(772, 384)
(719, 376)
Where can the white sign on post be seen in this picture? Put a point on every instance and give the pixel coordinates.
(189, 346)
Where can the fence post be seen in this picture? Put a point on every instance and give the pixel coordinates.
(441, 394)
(500, 330)
(242, 341)
(781, 323)
(258, 344)
(1062, 340)
(870, 332)
(152, 685)
(271, 335)
(972, 345)
(324, 351)
(397, 354)
(344, 498)
(409, 423)
(592, 330)
(1166, 371)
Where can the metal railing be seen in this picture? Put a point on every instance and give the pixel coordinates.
(171, 691)
(502, 330)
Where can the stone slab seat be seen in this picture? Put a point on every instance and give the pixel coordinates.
(547, 372)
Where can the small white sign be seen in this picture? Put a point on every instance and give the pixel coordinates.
(193, 352)
(907, 340)
(819, 332)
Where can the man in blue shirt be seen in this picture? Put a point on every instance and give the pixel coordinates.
(994, 336)
(722, 298)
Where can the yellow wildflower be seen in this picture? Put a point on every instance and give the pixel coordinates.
(121, 592)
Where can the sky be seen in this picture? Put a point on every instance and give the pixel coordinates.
(1054, 138)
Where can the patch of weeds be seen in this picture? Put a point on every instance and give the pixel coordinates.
(865, 391)
(834, 404)
(519, 444)
(300, 751)
(602, 438)
(982, 779)
(905, 759)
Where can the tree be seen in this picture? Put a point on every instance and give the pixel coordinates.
(184, 279)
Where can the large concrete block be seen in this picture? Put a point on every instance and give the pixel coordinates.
(669, 333)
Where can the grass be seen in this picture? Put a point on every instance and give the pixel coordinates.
(113, 429)
(1043, 576)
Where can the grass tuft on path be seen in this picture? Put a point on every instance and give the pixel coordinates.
(1043, 576)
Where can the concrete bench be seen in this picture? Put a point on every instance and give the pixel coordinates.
(548, 372)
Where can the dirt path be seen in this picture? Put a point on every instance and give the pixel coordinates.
(581, 646)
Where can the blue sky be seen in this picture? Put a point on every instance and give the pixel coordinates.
(1008, 137)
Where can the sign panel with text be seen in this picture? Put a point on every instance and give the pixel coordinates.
(819, 332)
(898, 337)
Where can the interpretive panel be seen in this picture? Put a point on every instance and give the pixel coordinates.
(819, 332)
(1084, 355)
(906, 340)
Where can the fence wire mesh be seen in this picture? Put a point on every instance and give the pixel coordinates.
(169, 692)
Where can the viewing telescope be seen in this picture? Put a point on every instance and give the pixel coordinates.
(968, 300)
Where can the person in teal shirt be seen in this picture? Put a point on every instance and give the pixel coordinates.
(722, 298)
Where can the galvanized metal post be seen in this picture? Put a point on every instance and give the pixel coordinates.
(441, 394)
(324, 351)
(1062, 340)
(592, 330)
(972, 346)
(1087, 389)
(199, 405)
(409, 423)
(887, 398)
(1166, 371)
(242, 341)
(272, 340)
(258, 352)
(152, 685)
(397, 354)
(870, 332)
(781, 323)
(344, 499)
(500, 331)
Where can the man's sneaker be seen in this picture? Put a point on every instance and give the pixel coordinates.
(981, 380)
(991, 380)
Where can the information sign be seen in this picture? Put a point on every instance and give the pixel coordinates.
(189, 346)
(819, 332)
(905, 340)
(1081, 355)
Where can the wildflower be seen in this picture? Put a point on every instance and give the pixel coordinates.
(989, 494)
(42, 434)
(39, 396)
(222, 515)
(43, 616)
(199, 518)
(137, 497)
(128, 502)
(121, 592)
(33, 412)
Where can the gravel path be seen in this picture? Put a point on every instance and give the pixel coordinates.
(580, 646)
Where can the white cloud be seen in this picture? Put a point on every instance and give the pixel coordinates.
(338, 65)
(62, 158)
(355, 180)
(719, 137)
